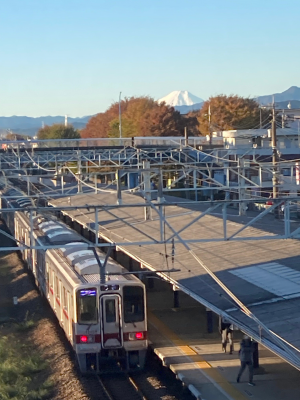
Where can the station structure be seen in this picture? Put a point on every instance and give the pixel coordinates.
(226, 244)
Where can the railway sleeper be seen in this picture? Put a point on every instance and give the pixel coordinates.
(108, 361)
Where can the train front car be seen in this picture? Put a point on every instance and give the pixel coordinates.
(105, 321)
(110, 325)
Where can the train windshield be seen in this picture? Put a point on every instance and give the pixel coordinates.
(87, 306)
(133, 297)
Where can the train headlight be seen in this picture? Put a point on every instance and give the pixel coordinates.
(87, 339)
(136, 336)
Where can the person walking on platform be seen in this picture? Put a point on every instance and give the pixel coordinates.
(246, 357)
(226, 331)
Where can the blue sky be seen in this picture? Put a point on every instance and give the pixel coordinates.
(74, 56)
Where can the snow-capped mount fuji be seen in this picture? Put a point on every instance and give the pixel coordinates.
(180, 98)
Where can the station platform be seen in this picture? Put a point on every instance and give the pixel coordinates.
(249, 268)
(179, 338)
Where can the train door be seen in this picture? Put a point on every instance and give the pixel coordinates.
(47, 286)
(111, 321)
(69, 302)
(34, 259)
(28, 251)
(17, 229)
(23, 242)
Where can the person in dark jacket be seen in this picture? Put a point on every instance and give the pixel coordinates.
(246, 357)
(226, 331)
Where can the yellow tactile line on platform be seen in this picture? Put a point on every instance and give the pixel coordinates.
(211, 372)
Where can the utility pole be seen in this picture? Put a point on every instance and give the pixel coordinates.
(119, 190)
(209, 126)
(79, 173)
(260, 118)
(147, 188)
(282, 119)
(120, 117)
(274, 157)
(186, 137)
(242, 191)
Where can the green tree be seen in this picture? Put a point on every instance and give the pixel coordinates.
(58, 131)
(231, 112)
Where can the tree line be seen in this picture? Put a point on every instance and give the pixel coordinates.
(140, 116)
(143, 116)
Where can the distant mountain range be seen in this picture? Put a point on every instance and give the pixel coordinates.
(184, 101)
(30, 125)
(181, 100)
(186, 109)
(289, 95)
(285, 104)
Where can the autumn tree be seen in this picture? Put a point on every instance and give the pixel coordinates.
(141, 116)
(162, 120)
(16, 136)
(58, 131)
(231, 112)
(104, 124)
(191, 122)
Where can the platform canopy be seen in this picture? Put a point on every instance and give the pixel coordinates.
(252, 276)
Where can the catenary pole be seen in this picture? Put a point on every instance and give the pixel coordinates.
(274, 155)
(120, 116)
(209, 125)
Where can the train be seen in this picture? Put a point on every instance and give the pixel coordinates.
(104, 320)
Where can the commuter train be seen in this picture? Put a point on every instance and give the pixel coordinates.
(105, 322)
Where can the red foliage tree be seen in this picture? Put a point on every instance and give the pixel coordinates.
(141, 116)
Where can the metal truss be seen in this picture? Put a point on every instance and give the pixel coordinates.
(97, 151)
(167, 233)
(199, 171)
(188, 163)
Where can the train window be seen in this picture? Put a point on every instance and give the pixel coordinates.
(50, 283)
(51, 279)
(47, 276)
(87, 306)
(65, 300)
(110, 310)
(69, 310)
(133, 299)
(57, 287)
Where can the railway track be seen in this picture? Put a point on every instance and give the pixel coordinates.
(112, 386)
(120, 387)
(155, 382)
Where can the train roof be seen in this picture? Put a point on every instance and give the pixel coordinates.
(75, 251)
(84, 262)
(55, 232)
(21, 202)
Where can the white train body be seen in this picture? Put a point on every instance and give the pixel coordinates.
(104, 322)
